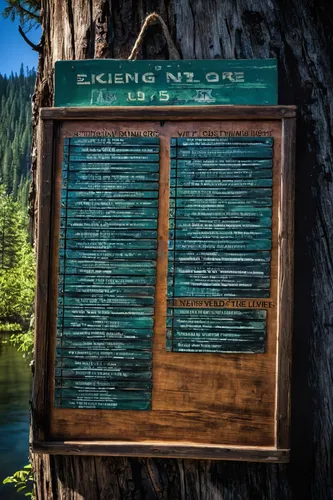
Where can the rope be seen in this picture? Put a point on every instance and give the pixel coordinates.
(151, 19)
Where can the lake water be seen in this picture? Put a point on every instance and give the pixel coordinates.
(15, 391)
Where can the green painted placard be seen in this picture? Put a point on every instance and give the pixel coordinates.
(107, 273)
(220, 237)
(107, 82)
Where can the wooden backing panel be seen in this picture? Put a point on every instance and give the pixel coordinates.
(170, 113)
(286, 277)
(201, 426)
(163, 450)
(223, 402)
(41, 347)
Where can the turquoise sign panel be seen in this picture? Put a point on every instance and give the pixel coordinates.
(107, 273)
(219, 330)
(107, 82)
(220, 239)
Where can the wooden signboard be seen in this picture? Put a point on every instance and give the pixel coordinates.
(109, 82)
(164, 285)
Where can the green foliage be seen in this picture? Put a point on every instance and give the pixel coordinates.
(27, 11)
(22, 480)
(24, 342)
(15, 132)
(17, 267)
(10, 327)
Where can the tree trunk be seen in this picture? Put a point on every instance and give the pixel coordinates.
(299, 34)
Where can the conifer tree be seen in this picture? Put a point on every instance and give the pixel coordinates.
(15, 132)
(16, 262)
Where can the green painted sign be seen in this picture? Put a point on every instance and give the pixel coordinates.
(216, 330)
(107, 82)
(107, 273)
(220, 237)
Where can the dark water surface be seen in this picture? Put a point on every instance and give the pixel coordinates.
(15, 389)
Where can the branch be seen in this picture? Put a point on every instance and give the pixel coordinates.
(30, 14)
(37, 48)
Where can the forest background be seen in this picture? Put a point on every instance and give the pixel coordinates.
(16, 254)
(17, 81)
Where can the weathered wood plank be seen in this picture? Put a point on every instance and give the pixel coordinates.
(79, 189)
(100, 395)
(72, 300)
(108, 167)
(122, 149)
(115, 223)
(220, 163)
(45, 168)
(231, 204)
(67, 383)
(119, 291)
(90, 337)
(103, 234)
(103, 405)
(223, 257)
(220, 193)
(71, 312)
(229, 172)
(221, 141)
(114, 157)
(111, 141)
(133, 83)
(227, 152)
(122, 193)
(171, 450)
(286, 283)
(109, 245)
(221, 183)
(82, 178)
(108, 322)
(141, 113)
(224, 234)
(231, 244)
(208, 224)
(222, 313)
(131, 210)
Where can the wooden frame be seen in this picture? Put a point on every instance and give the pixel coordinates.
(44, 441)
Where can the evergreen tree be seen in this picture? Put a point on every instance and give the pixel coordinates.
(28, 11)
(16, 262)
(15, 132)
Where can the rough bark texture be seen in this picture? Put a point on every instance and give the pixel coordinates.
(299, 34)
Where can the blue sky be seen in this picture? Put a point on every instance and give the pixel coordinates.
(13, 49)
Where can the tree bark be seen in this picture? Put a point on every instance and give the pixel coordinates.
(299, 35)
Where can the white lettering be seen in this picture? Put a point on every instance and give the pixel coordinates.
(99, 78)
(118, 78)
(189, 77)
(80, 79)
(131, 78)
(140, 96)
(170, 76)
(239, 76)
(212, 77)
(164, 96)
(148, 78)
